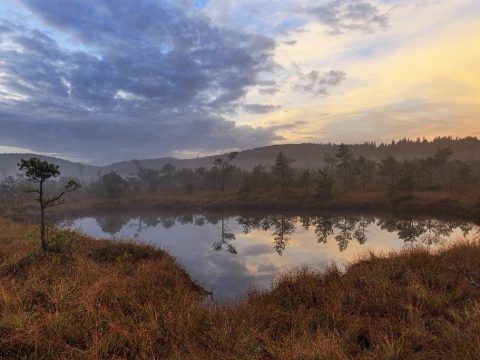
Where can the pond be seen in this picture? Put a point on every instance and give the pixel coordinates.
(230, 254)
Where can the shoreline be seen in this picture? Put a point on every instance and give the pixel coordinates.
(437, 204)
(94, 298)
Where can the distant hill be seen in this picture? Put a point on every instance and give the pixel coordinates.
(312, 155)
(304, 156)
(8, 166)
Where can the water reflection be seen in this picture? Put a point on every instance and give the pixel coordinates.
(428, 232)
(342, 229)
(226, 238)
(112, 224)
(346, 229)
(229, 254)
(283, 227)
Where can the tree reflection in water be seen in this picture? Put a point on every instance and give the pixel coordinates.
(342, 229)
(112, 224)
(428, 232)
(323, 225)
(225, 238)
(283, 227)
(144, 222)
(347, 229)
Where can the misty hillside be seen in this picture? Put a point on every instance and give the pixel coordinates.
(9, 167)
(312, 155)
(304, 156)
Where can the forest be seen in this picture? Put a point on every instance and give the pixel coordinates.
(344, 176)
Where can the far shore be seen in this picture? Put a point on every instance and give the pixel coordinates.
(429, 203)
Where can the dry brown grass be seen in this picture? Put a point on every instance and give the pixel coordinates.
(91, 299)
(464, 203)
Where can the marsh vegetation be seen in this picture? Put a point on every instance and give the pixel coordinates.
(100, 299)
(317, 271)
(229, 254)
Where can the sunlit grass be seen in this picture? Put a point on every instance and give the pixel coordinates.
(93, 299)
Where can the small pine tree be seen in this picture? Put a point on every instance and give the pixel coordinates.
(324, 186)
(112, 185)
(282, 170)
(38, 172)
(225, 165)
(441, 157)
(364, 169)
(345, 165)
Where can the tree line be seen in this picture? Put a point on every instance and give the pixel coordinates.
(343, 172)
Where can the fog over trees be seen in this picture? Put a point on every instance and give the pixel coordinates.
(445, 163)
(305, 156)
(342, 172)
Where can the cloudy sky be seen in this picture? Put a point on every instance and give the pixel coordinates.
(107, 80)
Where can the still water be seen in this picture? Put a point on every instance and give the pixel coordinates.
(230, 254)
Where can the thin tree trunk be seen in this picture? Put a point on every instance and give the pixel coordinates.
(42, 230)
(42, 220)
(223, 180)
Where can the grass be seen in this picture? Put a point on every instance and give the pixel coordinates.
(464, 203)
(93, 299)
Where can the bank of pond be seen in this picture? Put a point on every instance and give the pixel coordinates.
(229, 254)
(88, 298)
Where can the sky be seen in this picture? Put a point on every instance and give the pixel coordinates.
(106, 80)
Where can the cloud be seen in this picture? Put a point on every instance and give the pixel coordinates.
(411, 119)
(260, 108)
(107, 80)
(332, 78)
(269, 90)
(341, 16)
(288, 126)
(105, 138)
(144, 77)
(318, 83)
(266, 17)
